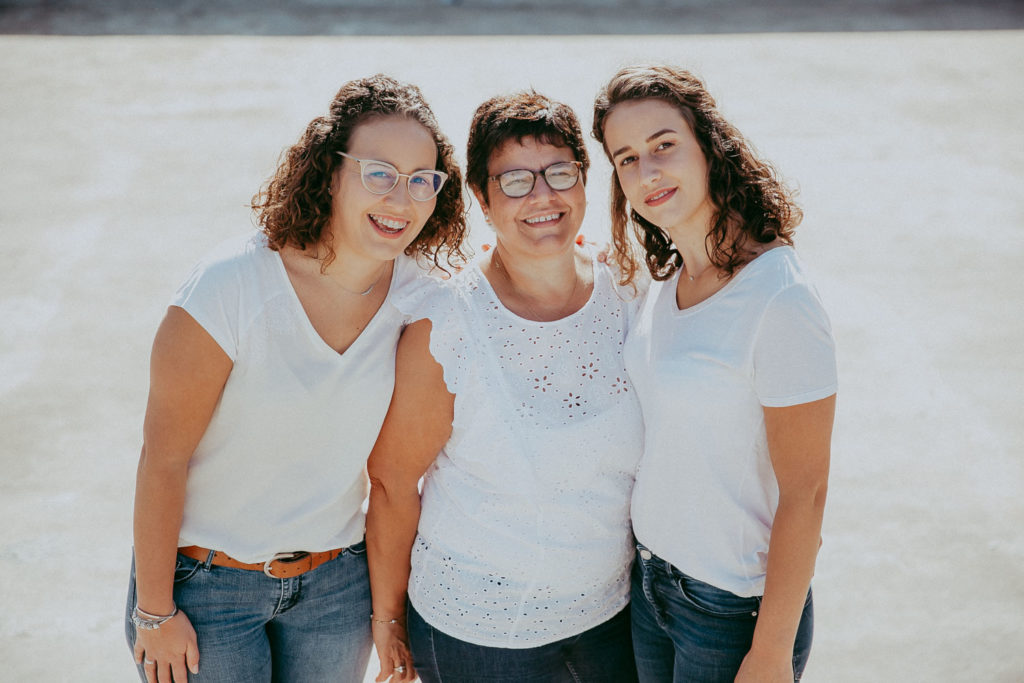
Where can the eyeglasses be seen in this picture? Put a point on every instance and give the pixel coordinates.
(380, 177)
(519, 182)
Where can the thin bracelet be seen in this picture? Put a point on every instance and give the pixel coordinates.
(156, 617)
(397, 620)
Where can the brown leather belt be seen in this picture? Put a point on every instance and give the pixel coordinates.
(280, 566)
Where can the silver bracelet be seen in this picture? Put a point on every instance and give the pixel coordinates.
(145, 621)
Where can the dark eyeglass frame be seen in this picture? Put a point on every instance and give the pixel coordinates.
(533, 178)
(398, 176)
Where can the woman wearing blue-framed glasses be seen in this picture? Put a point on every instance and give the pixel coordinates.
(270, 377)
(512, 403)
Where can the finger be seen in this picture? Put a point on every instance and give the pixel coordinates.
(163, 670)
(385, 669)
(138, 651)
(178, 669)
(192, 656)
(149, 666)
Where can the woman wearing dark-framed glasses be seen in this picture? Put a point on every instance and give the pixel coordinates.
(513, 405)
(270, 377)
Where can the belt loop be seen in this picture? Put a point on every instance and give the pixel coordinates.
(209, 560)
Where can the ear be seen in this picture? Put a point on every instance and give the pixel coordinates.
(483, 205)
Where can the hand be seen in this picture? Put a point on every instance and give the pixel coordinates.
(166, 651)
(392, 643)
(763, 669)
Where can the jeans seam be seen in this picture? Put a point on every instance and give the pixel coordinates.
(572, 671)
(433, 652)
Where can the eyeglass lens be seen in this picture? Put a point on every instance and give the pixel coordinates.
(381, 178)
(520, 182)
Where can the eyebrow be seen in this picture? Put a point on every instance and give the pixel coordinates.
(652, 137)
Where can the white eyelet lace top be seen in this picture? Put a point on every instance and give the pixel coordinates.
(524, 537)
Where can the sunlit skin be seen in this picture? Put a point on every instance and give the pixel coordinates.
(544, 222)
(661, 167)
(373, 225)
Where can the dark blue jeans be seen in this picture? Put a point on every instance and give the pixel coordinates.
(604, 654)
(687, 631)
(253, 628)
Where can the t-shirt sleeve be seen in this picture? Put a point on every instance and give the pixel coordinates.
(211, 295)
(794, 352)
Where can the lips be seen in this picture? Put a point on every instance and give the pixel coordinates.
(659, 197)
(387, 224)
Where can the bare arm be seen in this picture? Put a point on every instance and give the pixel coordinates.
(188, 371)
(799, 443)
(417, 426)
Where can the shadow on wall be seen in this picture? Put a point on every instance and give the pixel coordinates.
(498, 17)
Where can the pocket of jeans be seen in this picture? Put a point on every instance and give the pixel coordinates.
(185, 569)
(715, 601)
(357, 548)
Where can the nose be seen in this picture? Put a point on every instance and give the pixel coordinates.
(541, 189)
(399, 194)
(650, 172)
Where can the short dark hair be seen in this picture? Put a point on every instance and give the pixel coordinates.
(294, 205)
(516, 116)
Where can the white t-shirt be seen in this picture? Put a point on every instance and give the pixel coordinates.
(706, 493)
(281, 466)
(524, 537)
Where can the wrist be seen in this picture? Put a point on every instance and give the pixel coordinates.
(387, 618)
(147, 621)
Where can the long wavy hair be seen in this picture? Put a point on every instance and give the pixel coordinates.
(294, 205)
(519, 115)
(751, 202)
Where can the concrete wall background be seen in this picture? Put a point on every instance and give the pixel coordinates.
(124, 158)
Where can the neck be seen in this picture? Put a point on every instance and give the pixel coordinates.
(536, 276)
(353, 273)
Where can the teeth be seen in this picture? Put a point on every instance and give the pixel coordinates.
(541, 219)
(659, 196)
(388, 222)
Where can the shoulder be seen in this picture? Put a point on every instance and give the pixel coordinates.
(234, 259)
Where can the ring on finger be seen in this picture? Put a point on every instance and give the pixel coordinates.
(400, 669)
(147, 661)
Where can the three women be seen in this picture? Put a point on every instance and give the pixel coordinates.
(512, 402)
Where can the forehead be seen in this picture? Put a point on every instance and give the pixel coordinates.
(641, 118)
(529, 153)
(398, 140)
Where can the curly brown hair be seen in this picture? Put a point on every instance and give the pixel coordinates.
(751, 202)
(516, 116)
(294, 205)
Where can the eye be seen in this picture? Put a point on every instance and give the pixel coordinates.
(662, 146)
(627, 160)
(420, 180)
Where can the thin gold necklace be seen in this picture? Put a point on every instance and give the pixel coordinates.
(500, 265)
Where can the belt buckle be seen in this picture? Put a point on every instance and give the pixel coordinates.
(294, 556)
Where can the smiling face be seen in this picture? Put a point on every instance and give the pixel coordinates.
(381, 226)
(543, 222)
(660, 165)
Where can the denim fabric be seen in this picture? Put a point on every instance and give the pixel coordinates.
(603, 654)
(685, 630)
(314, 627)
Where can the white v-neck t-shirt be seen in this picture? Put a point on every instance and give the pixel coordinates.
(706, 493)
(524, 535)
(281, 466)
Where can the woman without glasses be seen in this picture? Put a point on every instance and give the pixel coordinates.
(270, 378)
(512, 402)
(733, 361)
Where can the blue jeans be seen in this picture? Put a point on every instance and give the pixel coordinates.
(603, 654)
(685, 630)
(310, 628)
